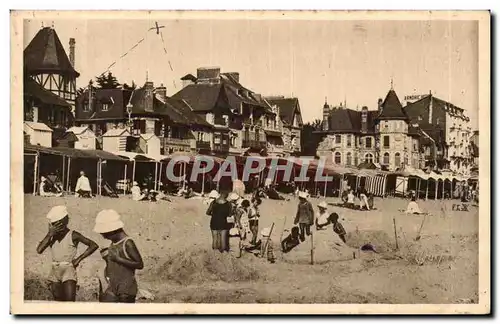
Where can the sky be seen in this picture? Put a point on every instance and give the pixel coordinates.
(343, 61)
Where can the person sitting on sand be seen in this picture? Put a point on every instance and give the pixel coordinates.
(122, 260)
(266, 246)
(322, 216)
(291, 241)
(413, 207)
(63, 243)
(350, 199)
(304, 216)
(337, 227)
(137, 195)
(45, 189)
(273, 194)
(82, 188)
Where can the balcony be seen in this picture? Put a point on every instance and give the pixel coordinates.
(221, 148)
(202, 145)
(254, 144)
(169, 141)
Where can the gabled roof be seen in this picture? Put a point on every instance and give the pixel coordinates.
(45, 54)
(288, 108)
(392, 108)
(344, 120)
(33, 89)
(115, 132)
(116, 98)
(414, 108)
(180, 112)
(201, 97)
(77, 130)
(38, 126)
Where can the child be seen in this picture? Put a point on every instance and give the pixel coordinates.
(253, 219)
(304, 216)
(122, 259)
(63, 243)
(291, 241)
(337, 227)
(322, 216)
(350, 199)
(266, 247)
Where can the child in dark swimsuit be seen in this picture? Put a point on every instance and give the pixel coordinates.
(337, 227)
(122, 260)
(291, 241)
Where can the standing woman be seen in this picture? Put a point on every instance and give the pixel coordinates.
(253, 218)
(220, 210)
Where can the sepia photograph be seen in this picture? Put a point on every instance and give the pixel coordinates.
(250, 162)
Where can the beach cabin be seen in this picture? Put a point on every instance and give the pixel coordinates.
(38, 133)
(150, 144)
(115, 140)
(81, 138)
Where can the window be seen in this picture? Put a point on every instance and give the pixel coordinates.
(105, 107)
(349, 158)
(338, 158)
(338, 139)
(437, 121)
(386, 158)
(415, 145)
(86, 107)
(397, 160)
(360, 141)
(349, 140)
(369, 158)
(368, 142)
(355, 159)
(386, 141)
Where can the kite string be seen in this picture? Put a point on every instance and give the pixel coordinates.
(166, 54)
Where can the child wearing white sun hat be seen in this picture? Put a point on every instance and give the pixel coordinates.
(63, 245)
(122, 259)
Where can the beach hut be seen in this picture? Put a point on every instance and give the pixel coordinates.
(81, 138)
(150, 144)
(115, 140)
(39, 133)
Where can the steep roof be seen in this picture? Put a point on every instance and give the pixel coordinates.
(413, 109)
(33, 89)
(201, 97)
(288, 108)
(38, 126)
(77, 130)
(181, 113)
(45, 54)
(346, 120)
(116, 98)
(392, 108)
(116, 132)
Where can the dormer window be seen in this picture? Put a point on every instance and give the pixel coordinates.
(105, 107)
(86, 107)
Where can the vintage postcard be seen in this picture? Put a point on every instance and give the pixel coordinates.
(232, 162)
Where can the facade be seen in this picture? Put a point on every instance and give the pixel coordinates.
(81, 138)
(383, 137)
(143, 111)
(447, 133)
(291, 122)
(243, 120)
(46, 62)
(115, 140)
(474, 148)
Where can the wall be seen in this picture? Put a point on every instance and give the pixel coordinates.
(86, 141)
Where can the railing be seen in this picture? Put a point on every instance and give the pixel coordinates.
(203, 145)
(221, 147)
(254, 144)
(176, 141)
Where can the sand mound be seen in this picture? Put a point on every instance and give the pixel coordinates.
(200, 265)
(379, 239)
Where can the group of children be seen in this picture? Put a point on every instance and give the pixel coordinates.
(116, 279)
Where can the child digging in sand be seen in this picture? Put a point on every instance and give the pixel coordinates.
(337, 227)
(63, 243)
(117, 283)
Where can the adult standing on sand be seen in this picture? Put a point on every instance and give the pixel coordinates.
(220, 210)
(305, 216)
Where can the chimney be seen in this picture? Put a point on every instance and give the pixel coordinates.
(235, 76)
(148, 96)
(72, 51)
(208, 74)
(379, 105)
(364, 119)
(161, 93)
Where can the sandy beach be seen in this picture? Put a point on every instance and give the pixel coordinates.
(175, 241)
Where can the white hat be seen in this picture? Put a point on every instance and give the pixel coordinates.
(107, 221)
(135, 183)
(265, 231)
(213, 194)
(233, 196)
(57, 213)
(42, 178)
(323, 205)
(303, 194)
(234, 231)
